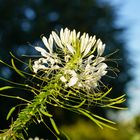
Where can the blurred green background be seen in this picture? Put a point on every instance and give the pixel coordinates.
(21, 25)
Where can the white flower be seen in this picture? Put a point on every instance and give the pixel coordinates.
(78, 58)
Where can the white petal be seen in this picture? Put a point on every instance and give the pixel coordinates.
(104, 73)
(45, 41)
(94, 85)
(93, 40)
(102, 66)
(88, 67)
(67, 36)
(100, 48)
(72, 72)
(67, 58)
(58, 61)
(57, 39)
(87, 49)
(42, 60)
(52, 61)
(98, 60)
(56, 67)
(70, 48)
(78, 34)
(90, 58)
(82, 42)
(102, 69)
(51, 43)
(87, 38)
(62, 35)
(73, 35)
(42, 51)
(72, 81)
(37, 67)
(80, 85)
(42, 67)
(63, 79)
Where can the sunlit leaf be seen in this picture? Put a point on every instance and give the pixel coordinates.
(10, 112)
(5, 88)
(54, 126)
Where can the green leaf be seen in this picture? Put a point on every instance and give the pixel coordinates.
(90, 117)
(78, 106)
(15, 68)
(104, 94)
(98, 122)
(5, 88)
(10, 112)
(54, 126)
(45, 113)
(108, 126)
(103, 119)
(118, 98)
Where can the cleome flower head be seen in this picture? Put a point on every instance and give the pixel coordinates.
(77, 58)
